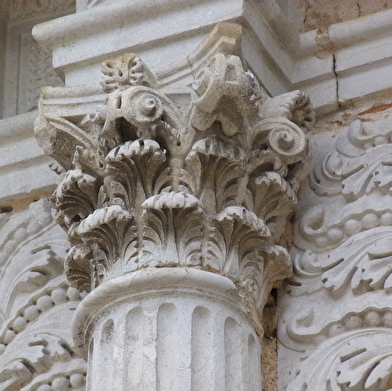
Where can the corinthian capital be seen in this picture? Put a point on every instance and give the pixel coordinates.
(151, 182)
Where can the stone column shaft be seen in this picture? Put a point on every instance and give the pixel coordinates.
(169, 329)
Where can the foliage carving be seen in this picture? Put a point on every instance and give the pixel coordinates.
(202, 186)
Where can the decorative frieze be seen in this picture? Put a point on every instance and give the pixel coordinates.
(342, 259)
(35, 72)
(26, 66)
(36, 348)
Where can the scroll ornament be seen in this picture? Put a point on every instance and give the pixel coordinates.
(150, 185)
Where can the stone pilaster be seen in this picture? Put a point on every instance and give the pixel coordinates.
(175, 205)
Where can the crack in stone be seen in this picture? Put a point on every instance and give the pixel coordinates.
(336, 78)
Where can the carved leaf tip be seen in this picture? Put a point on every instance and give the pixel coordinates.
(126, 71)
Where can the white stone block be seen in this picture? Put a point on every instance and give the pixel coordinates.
(364, 81)
(323, 94)
(24, 168)
(363, 53)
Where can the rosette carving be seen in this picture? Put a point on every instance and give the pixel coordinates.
(126, 71)
(201, 182)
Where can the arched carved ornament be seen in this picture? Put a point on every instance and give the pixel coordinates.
(202, 176)
(335, 329)
(36, 306)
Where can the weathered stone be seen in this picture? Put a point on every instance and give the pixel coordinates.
(36, 346)
(342, 255)
(153, 184)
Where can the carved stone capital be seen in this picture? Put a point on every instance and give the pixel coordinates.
(153, 183)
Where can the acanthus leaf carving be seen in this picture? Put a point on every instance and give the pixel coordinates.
(109, 231)
(348, 163)
(342, 255)
(199, 184)
(77, 267)
(365, 367)
(74, 199)
(272, 200)
(236, 233)
(137, 166)
(365, 268)
(53, 128)
(263, 268)
(359, 360)
(172, 229)
(216, 166)
(35, 303)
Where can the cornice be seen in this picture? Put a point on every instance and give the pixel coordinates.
(314, 61)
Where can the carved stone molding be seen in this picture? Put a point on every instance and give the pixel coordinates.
(36, 347)
(342, 258)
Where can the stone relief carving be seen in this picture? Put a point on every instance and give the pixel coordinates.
(150, 184)
(342, 259)
(36, 348)
(35, 71)
(23, 10)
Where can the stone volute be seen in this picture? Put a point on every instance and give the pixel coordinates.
(175, 205)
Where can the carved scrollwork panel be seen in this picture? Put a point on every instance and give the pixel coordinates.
(359, 360)
(337, 305)
(36, 347)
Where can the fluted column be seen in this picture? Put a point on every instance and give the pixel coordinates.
(176, 197)
(169, 329)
